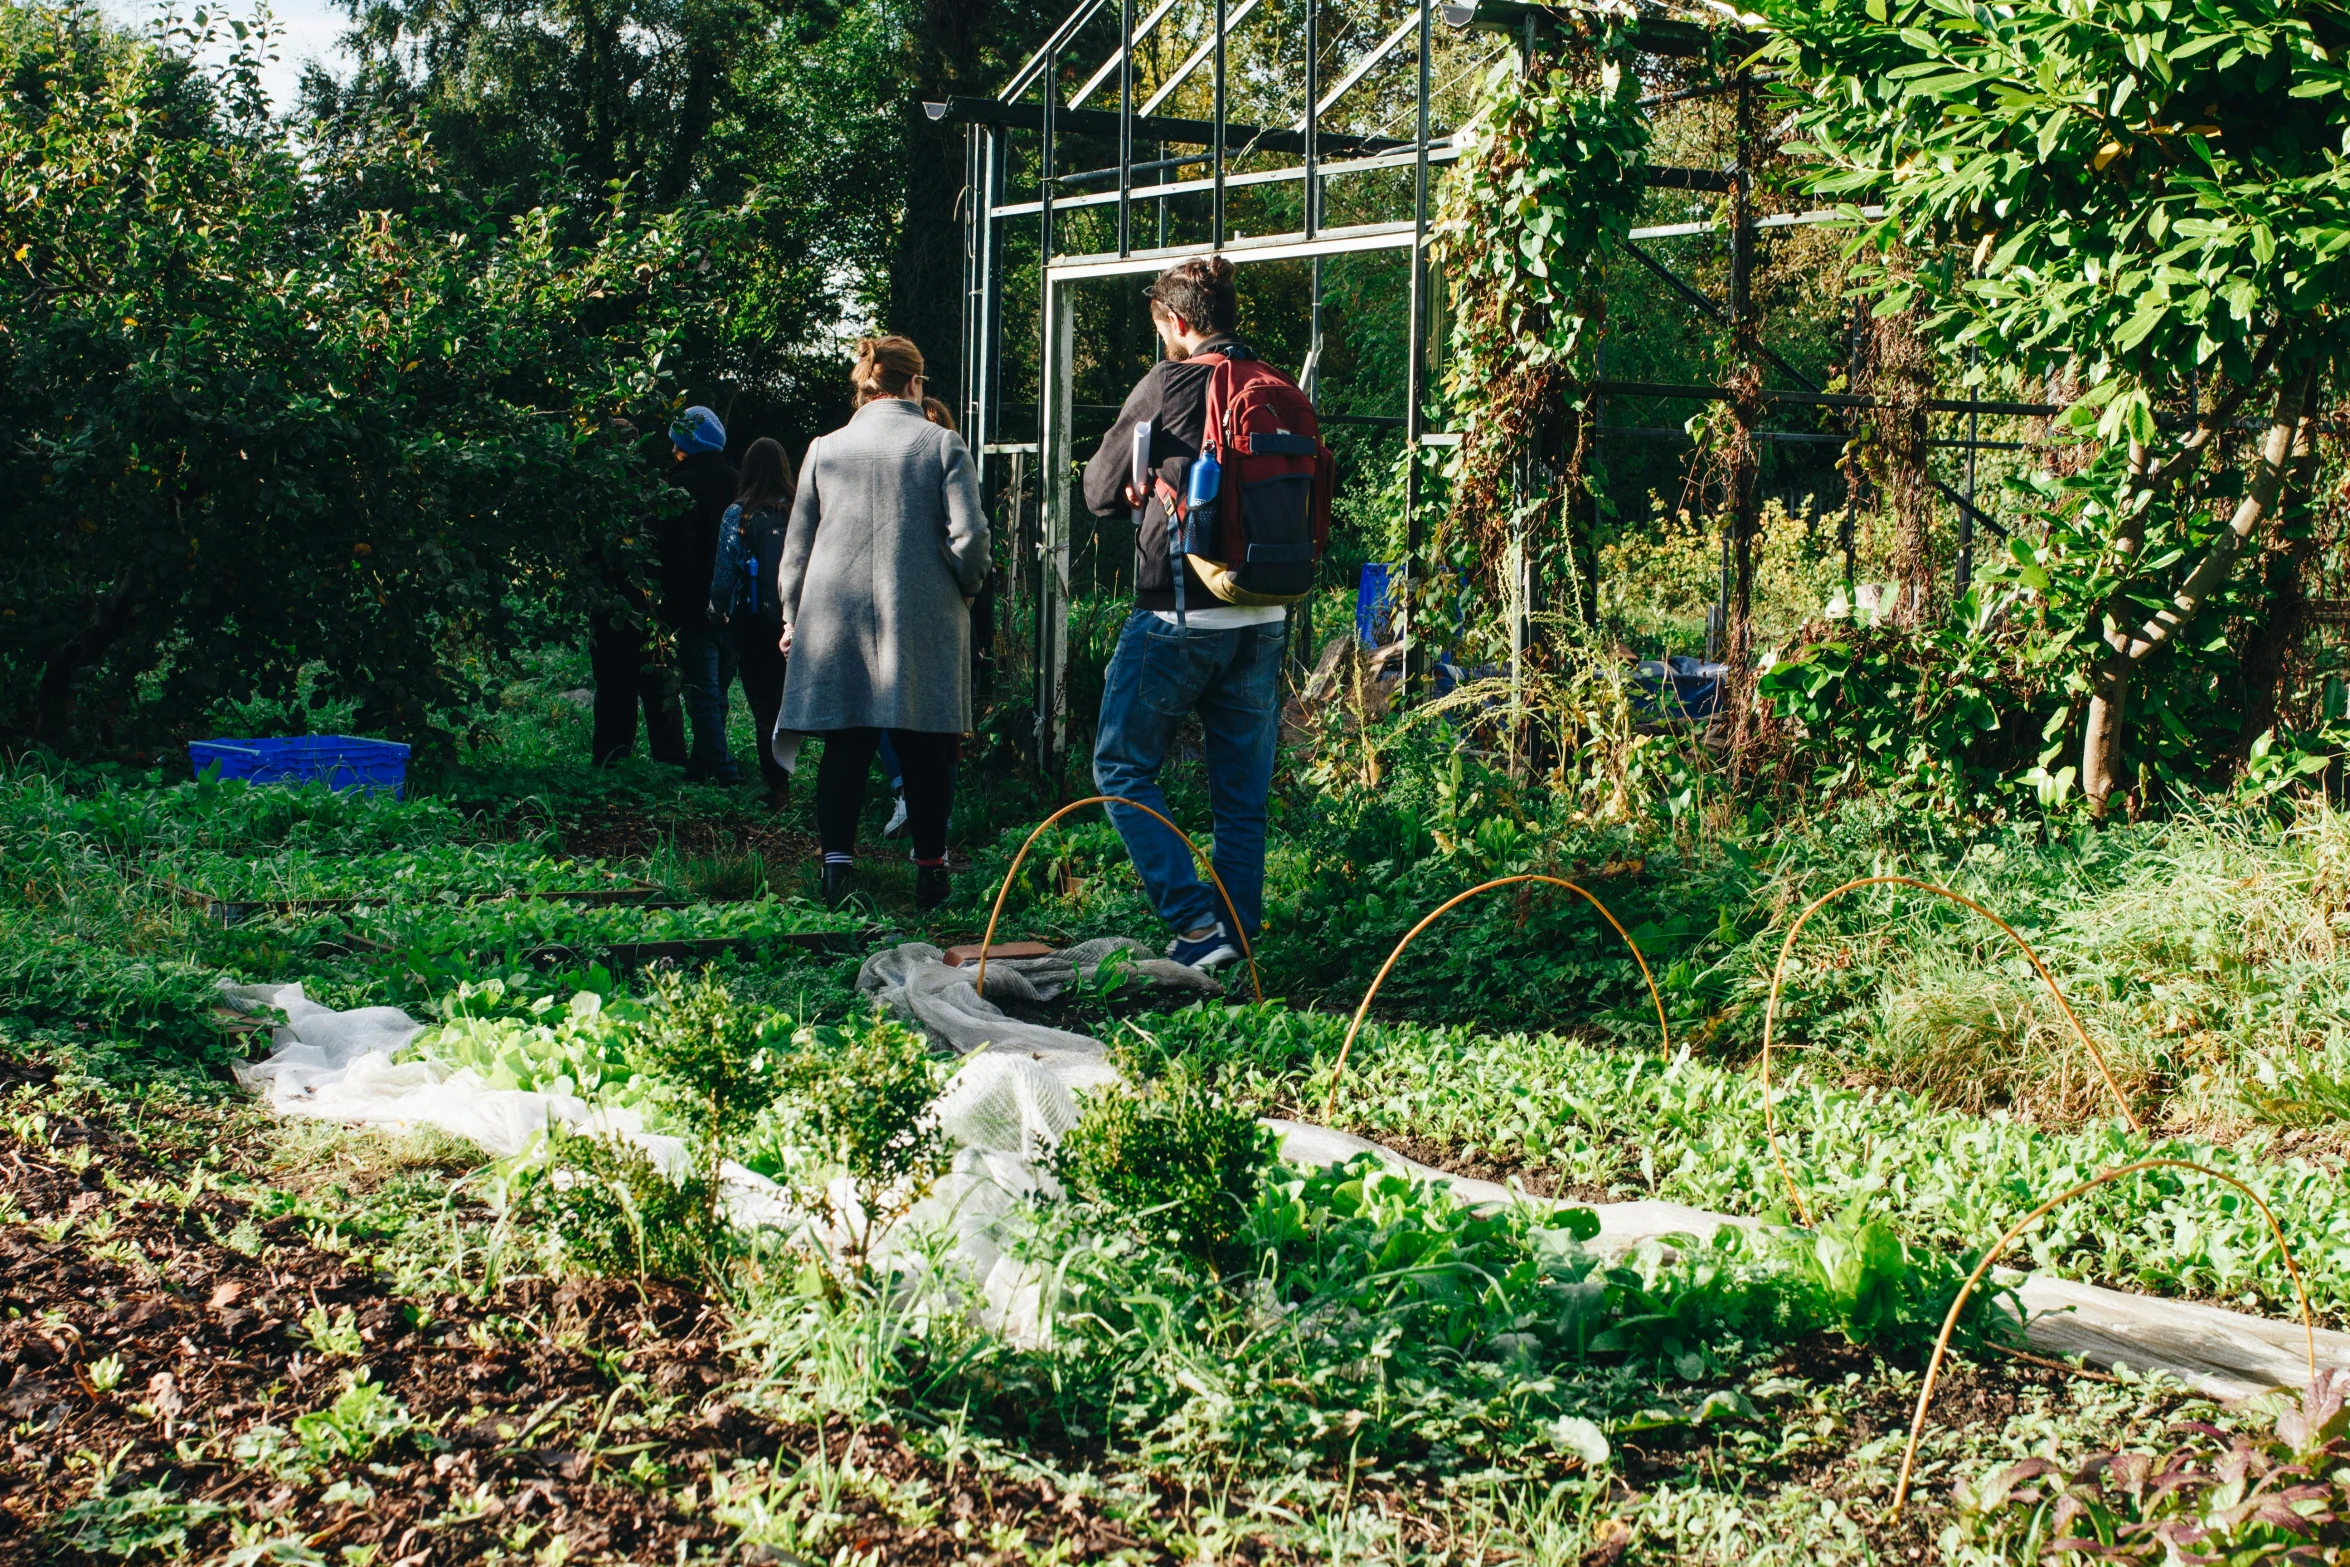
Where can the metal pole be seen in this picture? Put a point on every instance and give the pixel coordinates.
(1847, 529)
(1217, 239)
(1746, 473)
(991, 341)
(1059, 522)
(1043, 640)
(1125, 127)
(1044, 191)
(978, 221)
(1416, 371)
(1301, 646)
(1313, 106)
(1966, 513)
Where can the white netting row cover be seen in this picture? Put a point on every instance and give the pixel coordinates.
(1007, 1105)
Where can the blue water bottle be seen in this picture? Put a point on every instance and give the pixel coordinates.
(1200, 489)
(751, 570)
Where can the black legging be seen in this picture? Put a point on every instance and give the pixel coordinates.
(762, 671)
(929, 761)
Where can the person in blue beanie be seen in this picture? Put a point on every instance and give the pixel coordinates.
(689, 551)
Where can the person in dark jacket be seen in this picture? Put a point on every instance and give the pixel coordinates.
(627, 669)
(1221, 661)
(742, 594)
(689, 549)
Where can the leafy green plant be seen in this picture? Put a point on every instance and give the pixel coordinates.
(133, 1522)
(1875, 1288)
(2281, 1495)
(361, 1419)
(854, 1099)
(1172, 1161)
(409, 874)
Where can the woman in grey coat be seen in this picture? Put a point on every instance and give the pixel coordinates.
(886, 548)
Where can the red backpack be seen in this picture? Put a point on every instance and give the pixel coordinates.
(1256, 537)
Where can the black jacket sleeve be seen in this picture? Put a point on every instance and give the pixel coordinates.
(1174, 398)
(1112, 466)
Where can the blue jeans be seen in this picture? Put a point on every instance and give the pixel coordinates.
(1232, 679)
(705, 658)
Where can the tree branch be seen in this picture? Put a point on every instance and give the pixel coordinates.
(2260, 498)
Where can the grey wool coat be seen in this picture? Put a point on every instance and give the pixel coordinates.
(885, 545)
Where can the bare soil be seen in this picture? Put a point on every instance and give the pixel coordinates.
(170, 1353)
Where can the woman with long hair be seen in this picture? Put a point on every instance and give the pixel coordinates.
(887, 545)
(742, 593)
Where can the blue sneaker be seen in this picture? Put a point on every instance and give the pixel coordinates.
(1207, 954)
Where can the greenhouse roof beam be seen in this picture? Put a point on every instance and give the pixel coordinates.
(1109, 67)
(1199, 56)
(1402, 158)
(1189, 133)
(1054, 43)
(1650, 35)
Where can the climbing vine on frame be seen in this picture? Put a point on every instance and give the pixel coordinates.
(1550, 178)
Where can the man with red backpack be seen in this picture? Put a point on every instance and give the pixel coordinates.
(1218, 458)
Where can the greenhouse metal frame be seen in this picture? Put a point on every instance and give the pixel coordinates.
(1044, 451)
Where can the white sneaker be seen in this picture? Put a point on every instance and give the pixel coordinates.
(897, 820)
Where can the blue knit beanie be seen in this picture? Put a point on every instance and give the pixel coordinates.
(698, 430)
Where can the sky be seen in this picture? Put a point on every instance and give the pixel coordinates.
(306, 30)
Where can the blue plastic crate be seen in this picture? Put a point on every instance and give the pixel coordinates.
(338, 761)
(1376, 592)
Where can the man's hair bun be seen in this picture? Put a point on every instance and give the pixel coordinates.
(1201, 291)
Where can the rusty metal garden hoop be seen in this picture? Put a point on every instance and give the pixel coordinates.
(1917, 1424)
(979, 980)
(1779, 978)
(1338, 1072)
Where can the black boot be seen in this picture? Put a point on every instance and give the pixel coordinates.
(840, 883)
(931, 886)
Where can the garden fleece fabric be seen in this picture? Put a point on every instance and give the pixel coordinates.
(1008, 1107)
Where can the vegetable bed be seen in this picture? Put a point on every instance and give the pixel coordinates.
(235, 885)
(624, 936)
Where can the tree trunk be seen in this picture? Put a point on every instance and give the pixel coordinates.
(2101, 747)
(2127, 649)
(926, 274)
(53, 695)
(2272, 642)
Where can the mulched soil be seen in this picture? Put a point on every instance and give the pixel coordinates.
(171, 1354)
(1532, 1179)
(624, 832)
(592, 1410)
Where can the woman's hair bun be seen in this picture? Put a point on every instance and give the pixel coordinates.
(885, 367)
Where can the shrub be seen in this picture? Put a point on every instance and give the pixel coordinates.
(708, 1066)
(855, 1098)
(1174, 1161)
(607, 1208)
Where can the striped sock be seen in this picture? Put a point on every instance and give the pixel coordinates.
(934, 860)
(835, 857)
